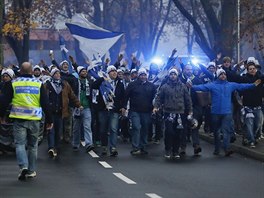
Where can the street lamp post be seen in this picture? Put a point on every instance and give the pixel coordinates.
(238, 31)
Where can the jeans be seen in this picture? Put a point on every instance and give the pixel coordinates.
(82, 123)
(254, 125)
(140, 128)
(108, 122)
(222, 123)
(55, 132)
(26, 134)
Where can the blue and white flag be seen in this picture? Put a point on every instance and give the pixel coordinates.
(106, 89)
(94, 41)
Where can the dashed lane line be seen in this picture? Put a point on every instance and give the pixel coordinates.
(124, 178)
(153, 195)
(105, 164)
(93, 154)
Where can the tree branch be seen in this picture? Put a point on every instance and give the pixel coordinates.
(162, 27)
(202, 42)
(211, 16)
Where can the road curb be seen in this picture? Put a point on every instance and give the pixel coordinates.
(243, 150)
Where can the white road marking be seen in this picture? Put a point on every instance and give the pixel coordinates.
(153, 195)
(124, 178)
(93, 154)
(105, 164)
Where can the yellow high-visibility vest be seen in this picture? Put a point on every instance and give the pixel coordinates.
(26, 99)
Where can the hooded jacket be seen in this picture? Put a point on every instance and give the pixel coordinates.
(174, 98)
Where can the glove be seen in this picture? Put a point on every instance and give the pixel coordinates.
(189, 117)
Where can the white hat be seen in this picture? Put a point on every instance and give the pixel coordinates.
(50, 67)
(173, 70)
(42, 69)
(211, 64)
(133, 70)
(80, 68)
(36, 67)
(53, 71)
(9, 72)
(251, 60)
(142, 71)
(120, 70)
(219, 72)
(61, 63)
(110, 68)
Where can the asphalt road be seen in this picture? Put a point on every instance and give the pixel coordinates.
(88, 176)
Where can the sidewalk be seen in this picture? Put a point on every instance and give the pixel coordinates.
(255, 153)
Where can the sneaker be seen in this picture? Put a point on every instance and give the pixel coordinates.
(75, 148)
(197, 150)
(216, 152)
(135, 152)
(98, 144)
(156, 142)
(125, 140)
(67, 140)
(83, 143)
(52, 153)
(167, 155)
(233, 139)
(143, 152)
(175, 155)
(104, 151)
(31, 174)
(89, 148)
(182, 152)
(228, 153)
(245, 142)
(150, 141)
(252, 145)
(113, 152)
(22, 174)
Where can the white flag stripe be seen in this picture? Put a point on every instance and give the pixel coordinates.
(105, 164)
(153, 195)
(93, 154)
(92, 47)
(124, 178)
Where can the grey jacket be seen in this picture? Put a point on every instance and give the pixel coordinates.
(173, 97)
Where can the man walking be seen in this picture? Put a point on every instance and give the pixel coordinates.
(175, 100)
(140, 94)
(28, 99)
(221, 92)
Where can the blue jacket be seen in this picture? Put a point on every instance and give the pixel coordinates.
(221, 92)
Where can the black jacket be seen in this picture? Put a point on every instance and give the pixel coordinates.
(141, 96)
(252, 97)
(118, 99)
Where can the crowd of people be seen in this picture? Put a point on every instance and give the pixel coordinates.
(142, 106)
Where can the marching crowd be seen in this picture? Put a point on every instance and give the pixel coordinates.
(92, 109)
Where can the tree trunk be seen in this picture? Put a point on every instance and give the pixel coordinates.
(227, 25)
(200, 37)
(2, 7)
